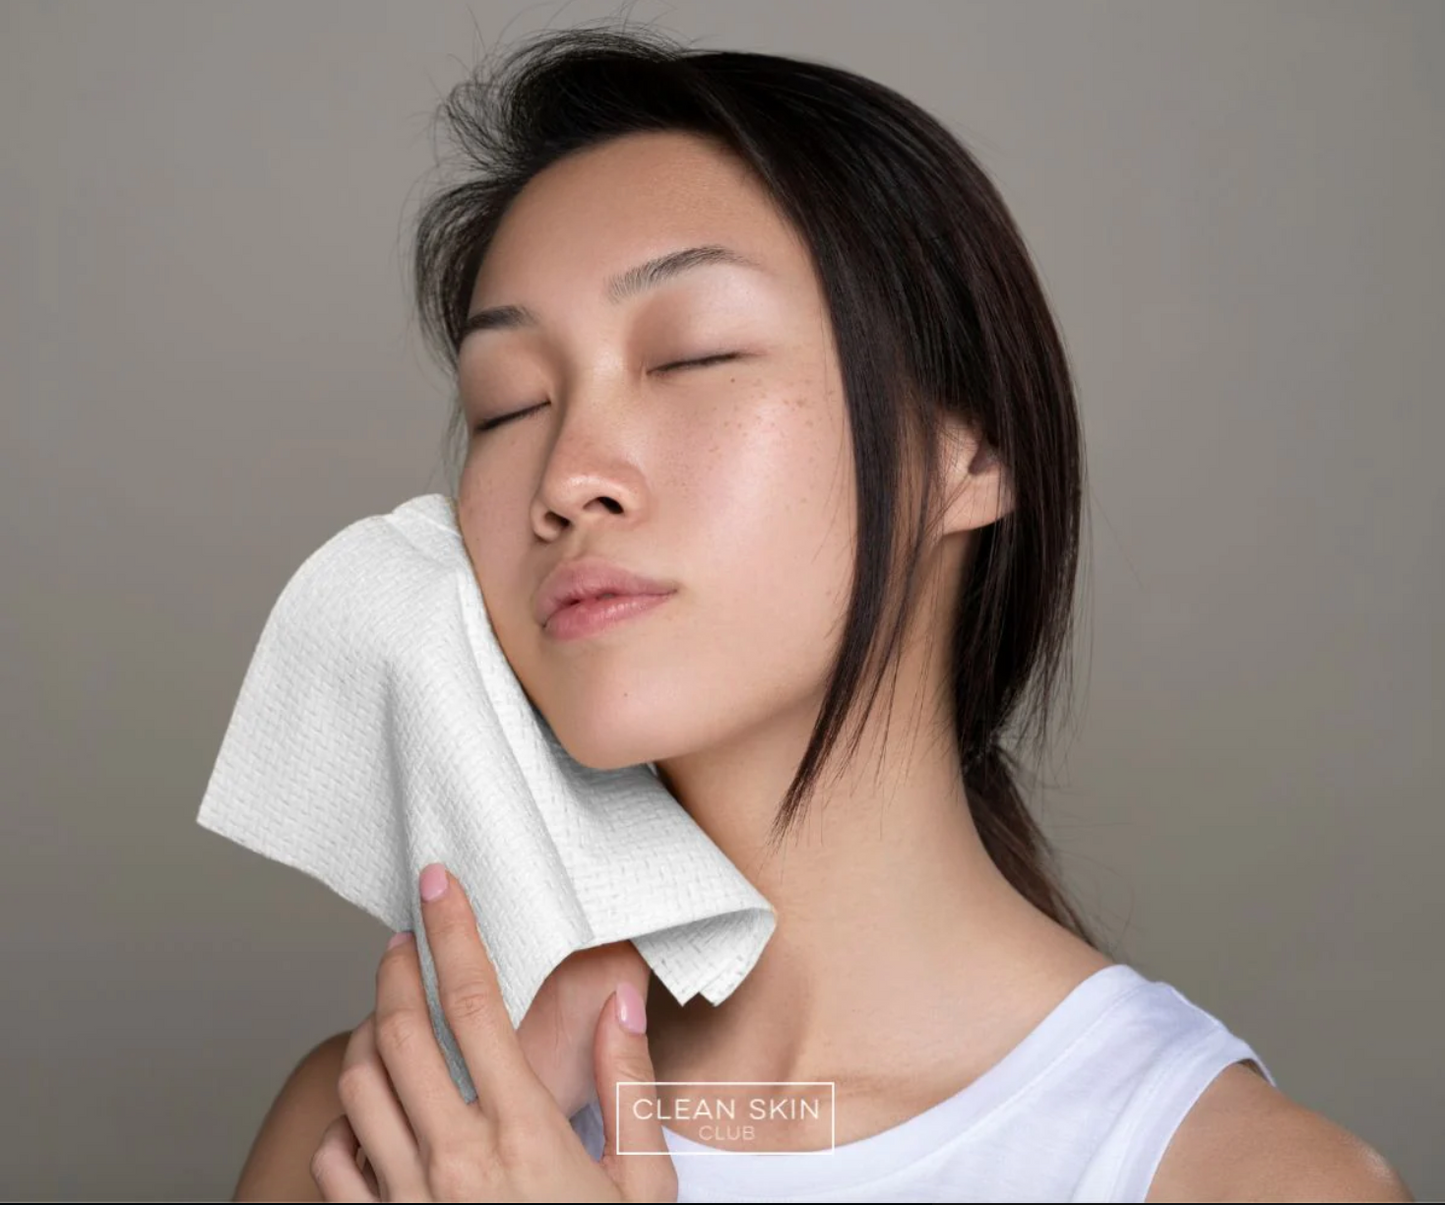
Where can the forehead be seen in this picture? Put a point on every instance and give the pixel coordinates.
(614, 205)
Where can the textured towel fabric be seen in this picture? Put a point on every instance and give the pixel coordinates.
(380, 727)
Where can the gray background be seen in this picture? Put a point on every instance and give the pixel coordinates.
(209, 368)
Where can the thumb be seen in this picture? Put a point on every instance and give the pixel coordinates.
(635, 1152)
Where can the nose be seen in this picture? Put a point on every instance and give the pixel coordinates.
(594, 472)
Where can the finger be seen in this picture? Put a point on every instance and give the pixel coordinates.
(376, 1116)
(634, 1152)
(471, 999)
(333, 1166)
(407, 1045)
(368, 1173)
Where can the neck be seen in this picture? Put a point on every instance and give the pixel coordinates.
(900, 949)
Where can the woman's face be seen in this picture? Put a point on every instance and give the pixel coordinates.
(732, 480)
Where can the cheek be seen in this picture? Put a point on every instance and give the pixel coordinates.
(492, 543)
(493, 504)
(772, 512)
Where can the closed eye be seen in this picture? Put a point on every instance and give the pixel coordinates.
(702, 362)
(506, 418)
(699, 363)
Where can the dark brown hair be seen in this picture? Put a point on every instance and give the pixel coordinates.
(936, 308)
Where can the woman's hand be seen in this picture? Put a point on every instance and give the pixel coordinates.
(406, 1119)
(557, 1034)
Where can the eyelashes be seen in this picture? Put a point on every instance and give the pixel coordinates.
(505, 418)
(701, 362)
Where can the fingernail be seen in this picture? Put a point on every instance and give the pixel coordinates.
(433, 882)
(398, 938)
(631, 1011)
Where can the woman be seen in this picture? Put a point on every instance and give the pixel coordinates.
(763, 332)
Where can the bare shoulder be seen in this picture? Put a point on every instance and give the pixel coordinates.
(1245, 1140)
(279, 1165)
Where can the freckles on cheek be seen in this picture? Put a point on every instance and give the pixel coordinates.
(763, 469)
(486, 524)
(490, 498)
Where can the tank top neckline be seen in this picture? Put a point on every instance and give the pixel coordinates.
(890, 1151)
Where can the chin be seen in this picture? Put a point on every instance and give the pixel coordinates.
(612, 741)
(598, 754)
(613, 714)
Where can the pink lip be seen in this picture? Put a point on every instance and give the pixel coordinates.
(589, 577)
(594, 615)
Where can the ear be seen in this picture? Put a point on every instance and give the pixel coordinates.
(977, 487)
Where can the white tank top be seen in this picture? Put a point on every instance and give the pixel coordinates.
(1080, 1110)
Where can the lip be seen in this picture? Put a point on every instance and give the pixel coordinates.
(587, 578)
(593, 615)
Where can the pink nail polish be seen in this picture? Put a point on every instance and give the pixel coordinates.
(433, 882)
(631, 1011)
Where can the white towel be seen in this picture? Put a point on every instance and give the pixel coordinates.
(380, 727)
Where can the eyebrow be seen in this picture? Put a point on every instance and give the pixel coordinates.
(619, 288)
